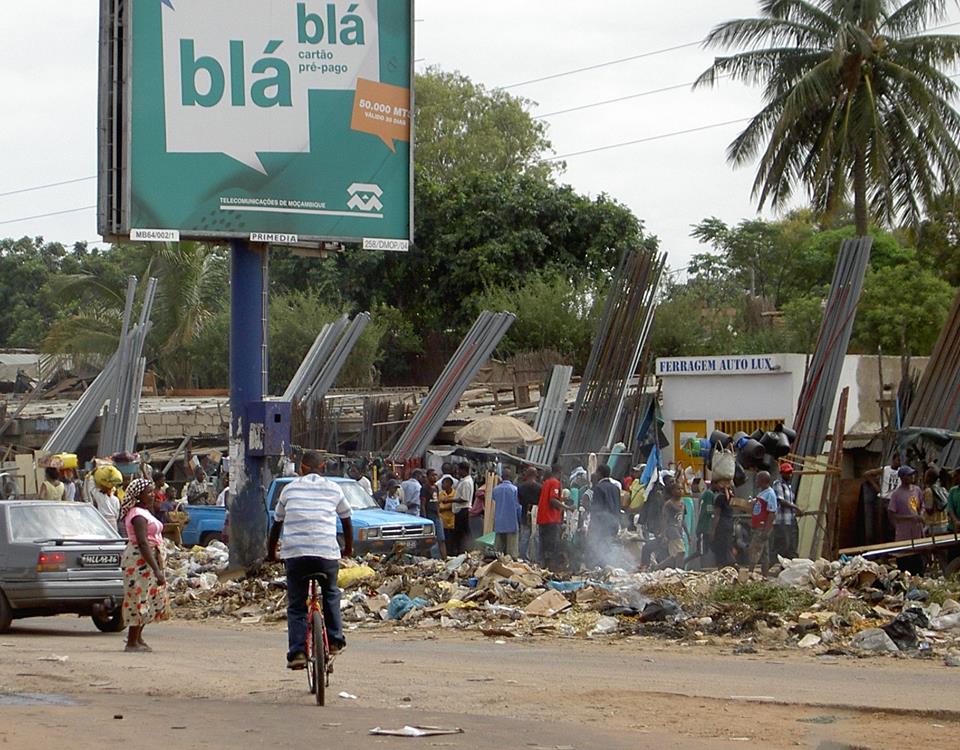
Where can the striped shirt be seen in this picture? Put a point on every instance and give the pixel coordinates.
(309, 507)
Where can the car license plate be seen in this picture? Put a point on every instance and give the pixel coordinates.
(100, 560)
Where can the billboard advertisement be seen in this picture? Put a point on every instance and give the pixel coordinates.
(285, 121)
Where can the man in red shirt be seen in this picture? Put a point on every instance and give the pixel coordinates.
(550, 518)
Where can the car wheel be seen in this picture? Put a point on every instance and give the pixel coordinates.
(108, 623)
(953, 568)
(210, 536)
(6, 613)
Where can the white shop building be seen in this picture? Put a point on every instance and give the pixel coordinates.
(749, 392)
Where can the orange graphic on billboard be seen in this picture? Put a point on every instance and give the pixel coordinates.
(382, 110)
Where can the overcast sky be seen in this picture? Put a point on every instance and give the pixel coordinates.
(48, 66)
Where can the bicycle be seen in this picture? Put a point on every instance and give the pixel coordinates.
(319, 661)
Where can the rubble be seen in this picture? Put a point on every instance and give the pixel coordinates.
(819, 606)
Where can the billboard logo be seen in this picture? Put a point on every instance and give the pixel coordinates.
(365, 197)
(243, 88)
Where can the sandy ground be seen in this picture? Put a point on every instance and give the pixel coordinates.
(216, 684)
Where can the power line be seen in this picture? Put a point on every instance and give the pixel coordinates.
(43, 216)
(648, 139)
(48, 185)
(648, 54)
(601, 65)
(621, 98)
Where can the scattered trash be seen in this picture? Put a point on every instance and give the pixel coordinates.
(54, 658)
(605, 626)
(347, 696)
(824, 719)
(811, 604)
(874, 639)
(416, 731)
(952, 660)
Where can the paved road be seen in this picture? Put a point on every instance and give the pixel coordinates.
(213, 684)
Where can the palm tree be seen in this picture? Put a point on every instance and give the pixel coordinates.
(192, 288)
(854, 95)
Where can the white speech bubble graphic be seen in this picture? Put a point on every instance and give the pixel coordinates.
(237, 73)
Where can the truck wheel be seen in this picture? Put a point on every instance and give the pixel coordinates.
(210, 536)
(6, 613)
(108, 623)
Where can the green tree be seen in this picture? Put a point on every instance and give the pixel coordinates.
(937, 239)
(192, 288)
(553, 312)
(463, 127)
(855, 100)
(902, 306)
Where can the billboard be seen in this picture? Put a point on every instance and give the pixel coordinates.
(285, 121)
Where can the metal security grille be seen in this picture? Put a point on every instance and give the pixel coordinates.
(749, 426)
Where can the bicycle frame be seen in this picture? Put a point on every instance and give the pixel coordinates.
(315, 606)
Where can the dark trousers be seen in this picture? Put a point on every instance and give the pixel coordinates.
(299, 569)
(461, 532)
(550, 545)
(786, 537)
(723, 544)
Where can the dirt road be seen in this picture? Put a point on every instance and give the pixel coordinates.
(216, 684)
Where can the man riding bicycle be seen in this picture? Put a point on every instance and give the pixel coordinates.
(305, 519)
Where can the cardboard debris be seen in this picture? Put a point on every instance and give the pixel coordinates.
(548, 604)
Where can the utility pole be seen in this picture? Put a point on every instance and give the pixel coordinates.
(248, 368)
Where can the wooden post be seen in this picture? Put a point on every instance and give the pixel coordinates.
(830, 497)
(488, 504)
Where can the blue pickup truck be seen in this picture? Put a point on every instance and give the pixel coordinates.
(374, 529)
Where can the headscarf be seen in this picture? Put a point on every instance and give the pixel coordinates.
(134, 490)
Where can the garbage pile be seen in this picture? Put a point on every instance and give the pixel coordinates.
(856, 606)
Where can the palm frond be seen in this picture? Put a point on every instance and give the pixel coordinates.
(747, 32)
(914, 15)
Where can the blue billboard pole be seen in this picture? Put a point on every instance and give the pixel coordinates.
(248, 368)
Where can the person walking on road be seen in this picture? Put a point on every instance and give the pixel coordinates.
(145, 597)
(305, 521)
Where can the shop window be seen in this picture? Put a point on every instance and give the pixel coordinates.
(749, 426)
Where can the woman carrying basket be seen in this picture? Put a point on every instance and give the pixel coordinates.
(145, 598)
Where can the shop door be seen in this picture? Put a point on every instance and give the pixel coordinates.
(683, 431)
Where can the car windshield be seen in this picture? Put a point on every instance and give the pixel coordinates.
(30, 523)
(355, 494)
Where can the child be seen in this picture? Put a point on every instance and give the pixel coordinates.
(446, 497)
(394, 498)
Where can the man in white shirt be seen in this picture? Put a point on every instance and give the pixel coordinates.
(360, 478)
(305, 520)
(461, 511)
(885, 480)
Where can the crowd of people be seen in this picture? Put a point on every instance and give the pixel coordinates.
(581, 519)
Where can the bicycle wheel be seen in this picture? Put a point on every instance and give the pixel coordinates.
(311, 667)
(319, 658)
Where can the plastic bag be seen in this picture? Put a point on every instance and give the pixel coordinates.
(348, 577)
(401, 604)
(724, 464)
(795, 572)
